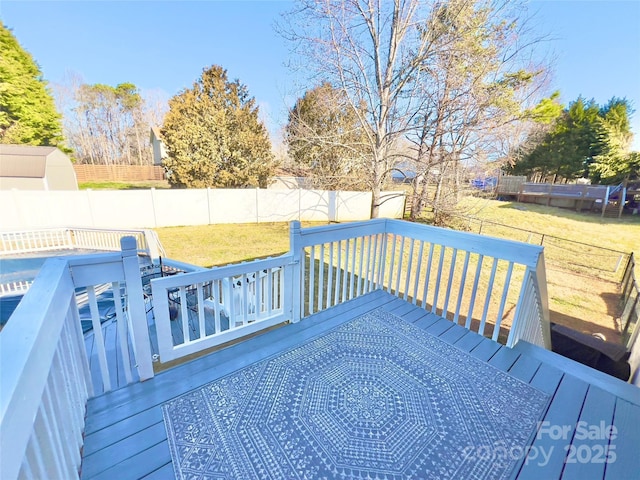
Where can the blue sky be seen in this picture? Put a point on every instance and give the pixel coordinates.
(163, 46)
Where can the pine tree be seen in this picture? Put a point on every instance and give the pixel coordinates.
(28, 113)
(214, 137)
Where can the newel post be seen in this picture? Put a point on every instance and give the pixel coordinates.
(295, 278)
(136, 309)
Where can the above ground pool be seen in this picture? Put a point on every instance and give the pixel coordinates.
(25, 268)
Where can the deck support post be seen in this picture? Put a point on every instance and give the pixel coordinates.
(295, 285)
(136, 308)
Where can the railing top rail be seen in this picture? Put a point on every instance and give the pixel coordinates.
(517, 252)
(216, 273)
(341, 231)
(25, 347)
(65, 229)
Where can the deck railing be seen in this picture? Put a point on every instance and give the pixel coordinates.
(29, 241)
(630, 317)
(492, 286)
(480, 282)
(45, 374)
(199, 310)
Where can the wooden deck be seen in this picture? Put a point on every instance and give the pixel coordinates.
(125, 434)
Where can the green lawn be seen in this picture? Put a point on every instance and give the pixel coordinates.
(212, 245)
(123, 185)
(617, 234)
(577, 298)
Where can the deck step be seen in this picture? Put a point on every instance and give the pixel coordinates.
(622, 389)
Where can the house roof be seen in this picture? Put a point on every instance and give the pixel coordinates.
(24, 160)
(156, 132)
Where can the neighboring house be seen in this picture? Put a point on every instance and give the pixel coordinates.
(25, 167)
(159, 150)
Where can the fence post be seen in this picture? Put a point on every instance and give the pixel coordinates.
(136, 308)
(605, 202)
(153, 244)
(296, 281)
(623, 199)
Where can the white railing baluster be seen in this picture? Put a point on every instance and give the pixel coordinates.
(503, 301)
(425, 291)
(36, 449)
(417, 279)
(487, 300)
(336, 293)
(59, 402)
(123, 331)
(99, 339)
(474, 290)
(270, 291)
(244, 289)
(184, 313)
(330, 275)
(382, 261)
(391, 269)
(200, 306)
(312, 271)
(436, 293)
(345, 272)
(375, 263)
(463, 280)
(261, 294)
(321, 277)
(367, 269)
(352, 268)
(360, 279)
(398, 270)
(52, 443)
(452, 268)
(216, 298)
(69, 374)
(281, 287)
(409, 269)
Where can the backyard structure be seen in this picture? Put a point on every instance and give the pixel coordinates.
(24, 167)
(607, 199)
(331, 276)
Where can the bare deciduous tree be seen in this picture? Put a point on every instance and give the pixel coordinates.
(437, 80)
(107, 125)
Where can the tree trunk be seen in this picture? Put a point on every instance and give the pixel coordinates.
(375, 201)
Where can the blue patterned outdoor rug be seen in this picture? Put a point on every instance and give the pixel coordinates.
(375, 398)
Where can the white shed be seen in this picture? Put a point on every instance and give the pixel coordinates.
(24, 167)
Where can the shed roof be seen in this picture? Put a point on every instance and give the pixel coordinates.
(24, 160)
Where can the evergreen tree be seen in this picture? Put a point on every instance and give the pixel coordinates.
(568, 148)
(613, 162)
(27, 111)
(325, 135)
(214, 137)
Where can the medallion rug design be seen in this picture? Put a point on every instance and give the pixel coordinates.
(374, 398)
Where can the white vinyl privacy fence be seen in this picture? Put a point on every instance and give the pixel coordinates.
(164, 208)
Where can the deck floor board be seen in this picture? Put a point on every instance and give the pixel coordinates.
(125, 435)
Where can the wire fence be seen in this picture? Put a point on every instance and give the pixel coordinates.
(561, 253)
